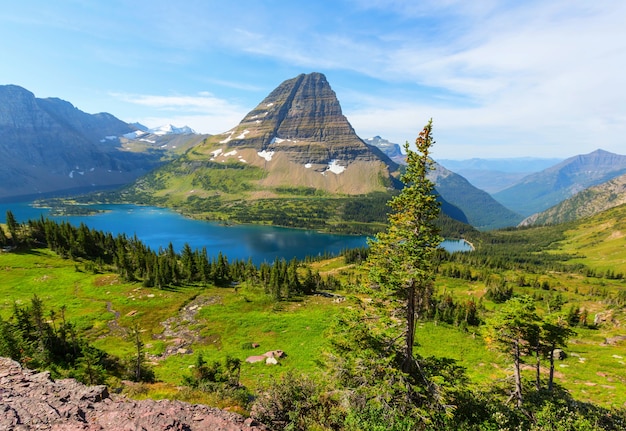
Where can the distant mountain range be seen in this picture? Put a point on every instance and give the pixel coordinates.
(542, 190)
(481, 210)
(295, 143)
(586, 203)
(49, 146)
(494, 175)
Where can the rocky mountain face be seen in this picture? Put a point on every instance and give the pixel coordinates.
(542, 190)
(33, 401)
(298, 137)
(586, 203)
(48, 145)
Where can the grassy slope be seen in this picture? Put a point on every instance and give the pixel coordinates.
(248, 315)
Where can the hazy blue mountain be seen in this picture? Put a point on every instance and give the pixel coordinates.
(462, 200)
(586, 203)
(481, 210)
(494, 175)
(542, 190)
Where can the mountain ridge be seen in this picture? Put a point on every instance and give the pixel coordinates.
(53, 146)
(586, 203)
(542, 190)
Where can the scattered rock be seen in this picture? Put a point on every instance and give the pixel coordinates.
(615, 340)
(33, 401)
(271, 361)
(559, 354)
(273, 354)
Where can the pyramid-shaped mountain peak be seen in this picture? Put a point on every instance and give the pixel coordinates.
(297, 137)
(304, 107)
(302, 118)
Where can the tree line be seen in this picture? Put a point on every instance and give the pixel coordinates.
(136, 262)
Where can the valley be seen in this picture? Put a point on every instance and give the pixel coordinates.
(557, 266)
(235, 271)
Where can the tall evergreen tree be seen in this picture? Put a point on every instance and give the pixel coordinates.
(12, 226)
(401, 258)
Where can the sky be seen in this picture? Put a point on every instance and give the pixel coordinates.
(499, 78)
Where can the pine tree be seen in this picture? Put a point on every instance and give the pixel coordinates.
(12, 226)
(401, 258)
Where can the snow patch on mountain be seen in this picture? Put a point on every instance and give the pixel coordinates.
(243, 134)
(134, 135)
(267, 155)
(158, 131)
(228, 139)
(172, 130)
(335, 167)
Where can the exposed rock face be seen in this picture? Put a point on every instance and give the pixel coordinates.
(33, 401)
(300, 138)
(302, 117)
(51, 146)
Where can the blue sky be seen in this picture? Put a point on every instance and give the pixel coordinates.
(499, 78)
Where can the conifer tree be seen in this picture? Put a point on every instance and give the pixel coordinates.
(514, 325)
(12, 226)
(401, 258)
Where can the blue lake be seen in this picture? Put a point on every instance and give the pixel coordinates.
(157, 227)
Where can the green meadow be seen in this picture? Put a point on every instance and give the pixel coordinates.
(229, 320)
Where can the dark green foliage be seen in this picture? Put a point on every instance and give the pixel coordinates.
(13, 228)
(41, 340)
(295, 403)
(355, 255)
(401, 259)
(4, 240)
(222, 378)
(499, 292)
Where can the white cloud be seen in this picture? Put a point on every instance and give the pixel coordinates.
(203, 112)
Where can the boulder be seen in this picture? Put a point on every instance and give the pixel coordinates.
(34, 401)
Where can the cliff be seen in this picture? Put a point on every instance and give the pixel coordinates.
(33, 401)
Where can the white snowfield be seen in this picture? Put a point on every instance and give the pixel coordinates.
(267, 155)
(335, 167)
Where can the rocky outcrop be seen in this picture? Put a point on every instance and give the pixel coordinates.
(33, 401)
(391, 150)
